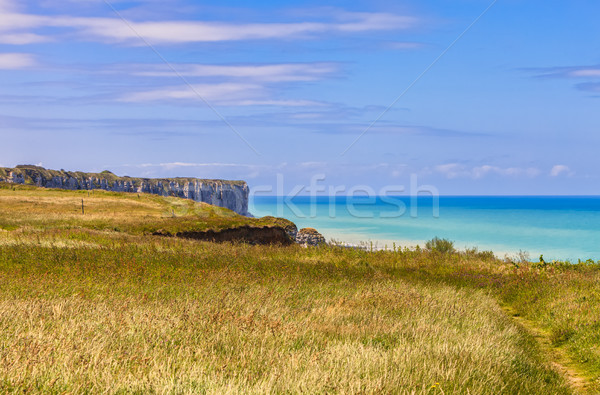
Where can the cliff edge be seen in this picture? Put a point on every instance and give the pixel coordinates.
(229, 194)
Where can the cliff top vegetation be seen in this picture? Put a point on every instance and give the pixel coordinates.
(41, 208)
(32, 172)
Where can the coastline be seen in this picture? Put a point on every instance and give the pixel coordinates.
(559, 228)
(357, 240)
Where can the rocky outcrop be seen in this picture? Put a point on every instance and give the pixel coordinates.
(309, 237)
(229, 194)
(266, 235)
(290, 228)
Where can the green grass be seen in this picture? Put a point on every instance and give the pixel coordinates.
(87, 308)
(28, 206)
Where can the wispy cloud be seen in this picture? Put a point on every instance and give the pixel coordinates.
(456, 170)
(279, 103)
(240, 85)
(175, 165)
(404, 45)
(7, 5)
(16, 61)
(116, 30)
(198, 169)
(589, 87)
(295, 170)
(559, 170)
(22, 38)
(211, 92)
(164, 32)
(567, 72)
(225, 94)
(394, 128)
(283, 72)
(234, 84)
(17, 28)
(589, 74)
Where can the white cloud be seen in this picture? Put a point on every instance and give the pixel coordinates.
(225, 94)
(585, 73)
(264, 72)
(455, 170)
(313, 164)
(16, 61)
(482, 171)
(451, 170)
(14, 27)
(7, 5)
(22, 38)
(211, 92)
(404, 45)
(175, 165)
(10, 21)
(174, 32)
(117, 30)
(212, 169)
(279, 103)
(364, 21)
(569, 72)
(239, 85)
(558, 170)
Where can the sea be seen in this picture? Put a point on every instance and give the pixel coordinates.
(565, 228)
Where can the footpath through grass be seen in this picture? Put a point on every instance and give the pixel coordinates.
(88, 308)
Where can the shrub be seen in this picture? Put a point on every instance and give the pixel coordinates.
(443, 246)
(484, 255)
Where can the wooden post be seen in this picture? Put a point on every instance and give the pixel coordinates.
(82, 210)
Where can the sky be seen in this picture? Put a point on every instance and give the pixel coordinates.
(470, 97)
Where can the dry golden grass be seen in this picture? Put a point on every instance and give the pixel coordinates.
(86, 308)
(25, 206)
(185, 345)
(148, 314)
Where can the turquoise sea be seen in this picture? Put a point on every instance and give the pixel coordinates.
(561, 228)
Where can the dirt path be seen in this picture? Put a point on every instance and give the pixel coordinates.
(556, 355)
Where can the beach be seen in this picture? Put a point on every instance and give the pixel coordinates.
(559, 227)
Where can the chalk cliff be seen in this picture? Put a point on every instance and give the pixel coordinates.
(229, 194)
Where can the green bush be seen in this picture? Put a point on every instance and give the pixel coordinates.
(443, 246)
(484, 255)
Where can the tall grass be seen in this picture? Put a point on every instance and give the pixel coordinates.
(27, 206)
(147, 314)
(87, 308)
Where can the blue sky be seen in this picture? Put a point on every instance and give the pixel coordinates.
(249, 90)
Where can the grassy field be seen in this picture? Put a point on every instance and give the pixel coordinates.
(95, 303)
(32, 207)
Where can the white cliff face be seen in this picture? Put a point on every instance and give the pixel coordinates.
(229, 194)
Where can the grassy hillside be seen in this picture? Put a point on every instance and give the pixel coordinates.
(32, 207)
(94, 303)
